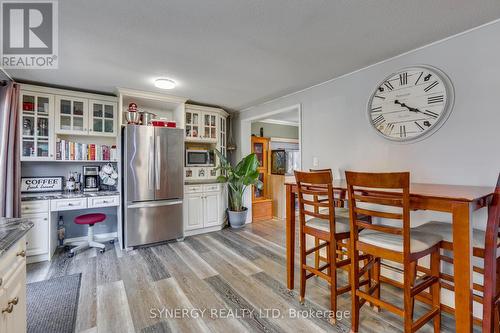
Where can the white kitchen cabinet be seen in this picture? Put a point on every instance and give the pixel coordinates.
(38, 237)
(71, 115)
(102, 118)
(13, 288)
(37, 126)
(211, 206)
(203, 208)
(193, 211)
(203, 124)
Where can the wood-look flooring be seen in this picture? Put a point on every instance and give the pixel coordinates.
(226, 281)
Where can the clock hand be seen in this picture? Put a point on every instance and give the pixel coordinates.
(406, 106)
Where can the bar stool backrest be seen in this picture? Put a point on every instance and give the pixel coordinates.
(315, 194)
(380, 191)
(491, 295)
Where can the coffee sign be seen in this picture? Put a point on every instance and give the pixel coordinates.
(41, 184)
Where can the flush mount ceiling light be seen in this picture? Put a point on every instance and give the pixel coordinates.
(165, 84)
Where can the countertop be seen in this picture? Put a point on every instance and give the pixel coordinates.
(65, 195)
(12, 230)
(198, 182)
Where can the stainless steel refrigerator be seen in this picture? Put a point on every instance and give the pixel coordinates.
(153, 184)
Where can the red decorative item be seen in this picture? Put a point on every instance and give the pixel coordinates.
(132, 107)
(28, 106)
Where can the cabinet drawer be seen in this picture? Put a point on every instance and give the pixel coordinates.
(104, 201)
(12, 259)
(193, 188)
(68, 204)
(211, 187)
(38, 206)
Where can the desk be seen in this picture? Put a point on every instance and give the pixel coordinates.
(42, 208)
(458, 200)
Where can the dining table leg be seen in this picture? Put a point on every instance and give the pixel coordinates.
(290, 236)
(462, 252)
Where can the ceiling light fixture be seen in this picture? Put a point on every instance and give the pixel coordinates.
(165, 83)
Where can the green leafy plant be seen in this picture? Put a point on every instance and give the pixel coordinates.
(238, 178)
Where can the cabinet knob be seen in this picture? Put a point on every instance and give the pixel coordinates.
(1, 281)
(8, 309)
(21, 254)
(14, 301)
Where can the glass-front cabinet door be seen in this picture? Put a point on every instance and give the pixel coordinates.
(223, 135)
(102, 118)
(209, 127)
(37, 132)
(192, 124)
(71, 115)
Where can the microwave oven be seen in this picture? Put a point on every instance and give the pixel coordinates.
(198, 158)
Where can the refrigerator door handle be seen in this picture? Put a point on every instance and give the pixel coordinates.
(154, 204)
(158, 162)
(150, 162)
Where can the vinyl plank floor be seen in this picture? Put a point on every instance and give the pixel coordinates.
(226, 272)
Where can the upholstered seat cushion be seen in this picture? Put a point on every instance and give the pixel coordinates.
(90, 218)
(420, 241)
(341, 224)
(445, 230)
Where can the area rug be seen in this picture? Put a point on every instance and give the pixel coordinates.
(52, 304)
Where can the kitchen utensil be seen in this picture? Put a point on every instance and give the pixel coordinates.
(132, 117)
(147, 117)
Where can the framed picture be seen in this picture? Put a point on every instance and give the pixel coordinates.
(41, 184)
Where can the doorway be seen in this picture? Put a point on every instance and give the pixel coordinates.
(275, 139)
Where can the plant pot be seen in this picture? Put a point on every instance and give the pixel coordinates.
(237, 219)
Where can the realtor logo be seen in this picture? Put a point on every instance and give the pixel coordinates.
(29, 34)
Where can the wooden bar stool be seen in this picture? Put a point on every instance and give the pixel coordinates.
(374, 194)
(486, 262)
(325, 227)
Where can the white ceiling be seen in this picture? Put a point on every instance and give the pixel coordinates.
(236, 53)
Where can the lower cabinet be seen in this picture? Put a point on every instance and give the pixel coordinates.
(13, 289)
(203, 208)
(38, 237)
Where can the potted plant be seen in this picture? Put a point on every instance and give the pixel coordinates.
(238, 179)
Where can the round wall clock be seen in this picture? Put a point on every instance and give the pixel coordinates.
(411, 104)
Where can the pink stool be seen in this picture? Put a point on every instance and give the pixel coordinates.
(90, 220)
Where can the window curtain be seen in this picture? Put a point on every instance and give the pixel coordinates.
(10, 164)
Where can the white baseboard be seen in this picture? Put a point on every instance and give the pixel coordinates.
(202, 230)
(97, 237)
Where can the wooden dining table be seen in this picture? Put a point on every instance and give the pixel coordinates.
(460, 201)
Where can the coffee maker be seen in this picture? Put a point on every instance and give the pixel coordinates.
(90, 178)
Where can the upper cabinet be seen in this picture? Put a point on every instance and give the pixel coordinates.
(37, 127)
(80, 116)
(102, 118)
(71, 115)
(203, 124)
(46, 113)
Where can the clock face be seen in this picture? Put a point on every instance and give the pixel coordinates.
(411, 104)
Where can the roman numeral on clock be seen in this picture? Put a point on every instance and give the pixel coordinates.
(403, 78)
(418, 79)
(431, 114)
(389, 128)
(435, 99)
(402, 131)
(418, 125)
(389, 85)
(378, 120)
(377, 109)
(381, 97)
(430, 86)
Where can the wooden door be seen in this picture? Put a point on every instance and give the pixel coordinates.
(260, 147)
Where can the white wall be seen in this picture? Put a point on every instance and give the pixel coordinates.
(276, 130)
(465, 150)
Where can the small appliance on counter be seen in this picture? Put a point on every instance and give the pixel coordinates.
(200, 158)
(90, 178)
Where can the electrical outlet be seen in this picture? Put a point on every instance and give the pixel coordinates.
(315, 162)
